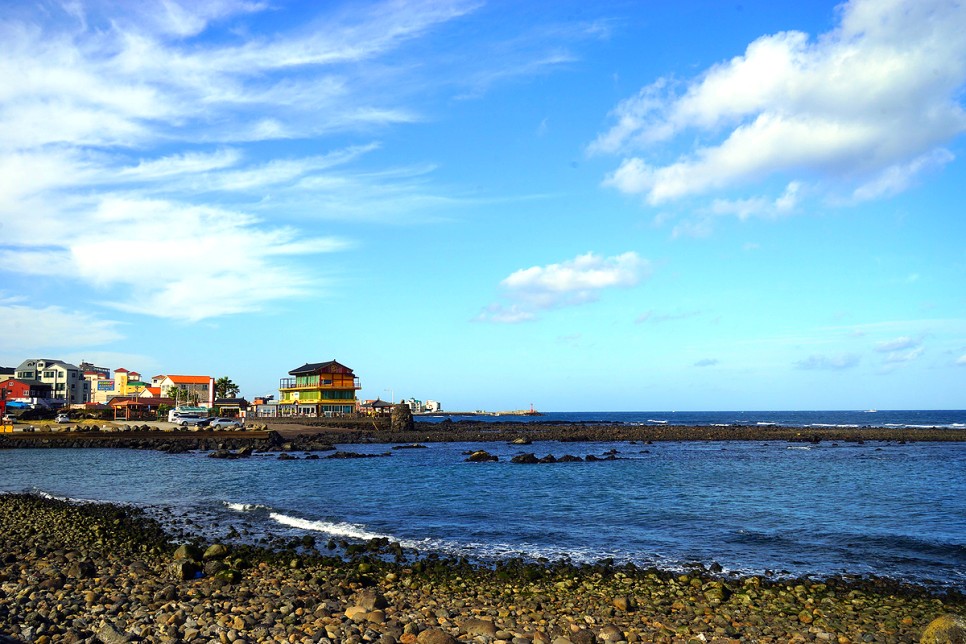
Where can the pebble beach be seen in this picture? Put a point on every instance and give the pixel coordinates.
(106, 573)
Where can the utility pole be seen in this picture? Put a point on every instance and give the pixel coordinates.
(392, 396)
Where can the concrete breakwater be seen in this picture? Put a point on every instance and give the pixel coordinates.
(99, 572)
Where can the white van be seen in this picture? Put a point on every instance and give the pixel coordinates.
(185, 416)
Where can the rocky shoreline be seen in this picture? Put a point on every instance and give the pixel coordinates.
(289, 437)
(481, 431)
(105, 573)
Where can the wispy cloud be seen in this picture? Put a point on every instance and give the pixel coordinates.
(576, 281)
(859, 112)
(898, 344)
(126, 136)
(30, 328)
(900, 350)
(199, 261)
(707, 362)
(836, 362)
(898, 357)
(657, 317)
(160, 131)
(961, 360)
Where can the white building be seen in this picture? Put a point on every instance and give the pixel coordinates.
(67, 382)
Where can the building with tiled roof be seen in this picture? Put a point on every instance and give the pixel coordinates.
(319, 389)
(200, 390)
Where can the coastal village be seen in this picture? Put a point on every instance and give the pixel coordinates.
(46, 387)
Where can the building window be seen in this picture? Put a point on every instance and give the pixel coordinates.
(50, 374)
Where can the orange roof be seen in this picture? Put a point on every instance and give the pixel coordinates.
(154, 390)
(191, 380)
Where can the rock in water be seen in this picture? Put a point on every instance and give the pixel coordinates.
(481, 456)
(946, 629)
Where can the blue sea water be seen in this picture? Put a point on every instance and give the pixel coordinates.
(881, 508)
(847, 418)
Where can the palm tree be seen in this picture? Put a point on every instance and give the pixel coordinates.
(225, 388)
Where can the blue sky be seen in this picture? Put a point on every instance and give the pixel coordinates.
(583, 206)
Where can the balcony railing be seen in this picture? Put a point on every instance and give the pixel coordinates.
(292, 383)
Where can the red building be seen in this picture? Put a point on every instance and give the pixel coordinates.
(19, 390)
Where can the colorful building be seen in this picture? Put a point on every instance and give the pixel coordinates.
(200, 390)
(319, 389)
(124, 383)
(30, 392)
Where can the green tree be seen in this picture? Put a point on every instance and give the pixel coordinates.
(181, 395)
(225, 388)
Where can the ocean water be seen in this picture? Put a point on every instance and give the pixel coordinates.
(902, 418)
(886, 509)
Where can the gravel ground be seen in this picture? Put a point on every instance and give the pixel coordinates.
(104, 573)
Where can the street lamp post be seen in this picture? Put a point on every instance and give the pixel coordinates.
(392, 396)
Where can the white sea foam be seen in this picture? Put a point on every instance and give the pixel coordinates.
(69, 499)
(834, 425)
(659, 422)
(349, 530)
(244, 507)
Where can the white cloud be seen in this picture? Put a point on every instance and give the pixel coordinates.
(125, 137)
(25, 328)
(759, 206)
(961, 360)
(568, 283)
(901, 349)
(574, 281)
(866, 107)
(897, 357)
(836, 362)
(898, 344)
(188, 262)
(707, 362)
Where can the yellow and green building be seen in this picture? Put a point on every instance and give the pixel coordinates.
(319, 389)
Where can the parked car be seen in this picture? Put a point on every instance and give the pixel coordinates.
(225, 423)
(194, 421)
(62, 418)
